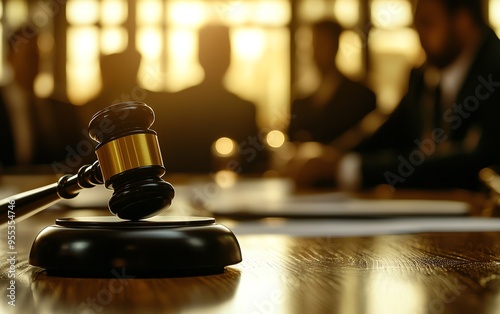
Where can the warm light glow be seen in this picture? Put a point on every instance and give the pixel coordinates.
(44, 85)
(149, 12)
(275, 139)
(233, 12)
(494, 13)
(113, 40)
(225, 146)
(83, 44)
(79, 75)
(183, 67)
(312, 10)
(249, 43)
(398, 295)
(83, 63)
(403, 41)
(151, 76)
(182, 42)
(17, 11)
(309, 150)
(149, 41)
(391, 13)
(349, 58)
(188, 13)
(273, 13)
(113, 12)
(82, 11)
(225, 178)
(347, 12)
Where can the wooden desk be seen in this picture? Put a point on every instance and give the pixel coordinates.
(423, 273)
(416, 274)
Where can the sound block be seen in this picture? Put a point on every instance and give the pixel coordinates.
(154, 247)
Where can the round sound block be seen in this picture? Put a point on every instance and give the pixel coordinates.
(155, 247)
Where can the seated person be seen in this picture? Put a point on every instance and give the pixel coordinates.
(446, 127)
(190, 121)
(338, 104)
(33, 130)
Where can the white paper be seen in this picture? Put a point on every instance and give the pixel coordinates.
(366, 227)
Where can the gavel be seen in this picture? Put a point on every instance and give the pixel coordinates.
(129, 162)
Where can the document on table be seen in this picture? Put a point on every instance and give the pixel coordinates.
(365, 227)
(295, 207)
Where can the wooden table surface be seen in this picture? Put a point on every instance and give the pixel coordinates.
(401, 274)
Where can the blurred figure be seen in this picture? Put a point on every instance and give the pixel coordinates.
(32, 130)
(338, 104)
(119, 82)
(446, 127)
(190, 121)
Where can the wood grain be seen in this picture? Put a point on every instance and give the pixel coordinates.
(423, 273)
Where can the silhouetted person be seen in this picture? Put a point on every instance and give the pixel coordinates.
(446, 127)
(32, 130)
(338, 104)
(190, 121)
(119, 82)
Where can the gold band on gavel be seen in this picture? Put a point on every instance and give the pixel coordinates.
(128, 152)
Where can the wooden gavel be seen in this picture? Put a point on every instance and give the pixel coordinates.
(129, 163)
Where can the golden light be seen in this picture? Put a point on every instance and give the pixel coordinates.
(349, 58)
(149, 12)
(391, 13)
(83, 63)
(346, 12)
(187, 13)
(494, 13)
(404, 41)
(113, 12)
(182, 42)
(183, 67)
(83, 44)
(149, 41)
(273, 13)
(309, 150)
(113, 40)
(225, 178)
(44, 85)
(224, 146)
(82, 11)
(275, 139)
(233, 12)
(79, 75)
(312, 10)
(249, 43)
(17, 11)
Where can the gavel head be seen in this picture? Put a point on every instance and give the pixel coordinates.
(130, 160)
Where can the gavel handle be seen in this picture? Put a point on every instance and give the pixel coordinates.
(26, 204)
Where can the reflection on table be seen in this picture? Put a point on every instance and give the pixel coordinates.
(438, 272)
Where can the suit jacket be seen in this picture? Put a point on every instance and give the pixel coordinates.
(56, 126)
(398, 155)
(190, 121)
(348, 105)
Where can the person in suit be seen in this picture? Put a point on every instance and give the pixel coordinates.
(445, 129)
(190, 121)
(338, 104)
(33, 130)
